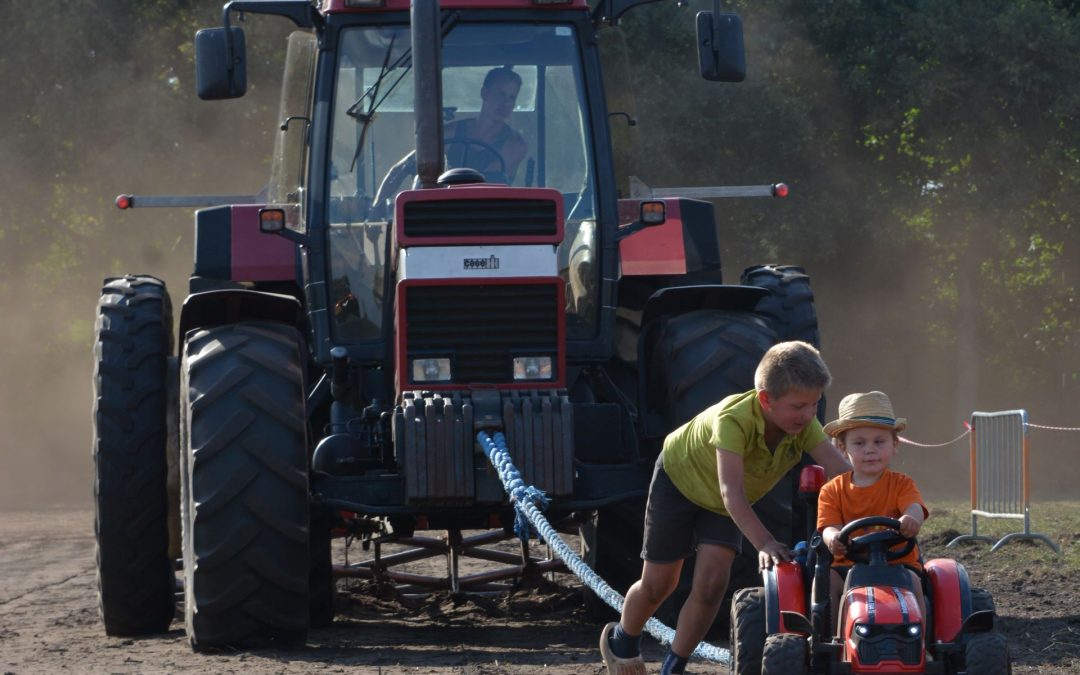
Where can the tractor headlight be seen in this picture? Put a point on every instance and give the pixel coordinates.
(431, 370)
(532, 368)
(914, 630)
(862, 630)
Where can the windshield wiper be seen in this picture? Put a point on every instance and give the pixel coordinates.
(371, 94)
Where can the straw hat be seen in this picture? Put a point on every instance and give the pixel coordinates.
(873, 409)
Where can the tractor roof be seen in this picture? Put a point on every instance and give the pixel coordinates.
(335, 6)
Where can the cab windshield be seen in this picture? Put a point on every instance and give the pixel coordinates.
(513, 109)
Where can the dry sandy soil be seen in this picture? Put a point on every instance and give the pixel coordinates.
(49, 621)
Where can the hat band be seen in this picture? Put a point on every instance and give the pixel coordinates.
(874, 418)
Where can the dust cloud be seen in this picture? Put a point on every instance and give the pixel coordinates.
(100, 101)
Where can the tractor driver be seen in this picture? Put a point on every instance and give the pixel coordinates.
(486, 142)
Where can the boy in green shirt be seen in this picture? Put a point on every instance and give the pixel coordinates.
(710, 470)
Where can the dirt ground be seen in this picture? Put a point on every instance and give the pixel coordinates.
(49, 621)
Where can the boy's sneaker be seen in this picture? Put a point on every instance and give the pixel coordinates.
(634, 665)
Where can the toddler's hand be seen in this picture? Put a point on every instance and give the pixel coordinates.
(909, 527)
(835, 547)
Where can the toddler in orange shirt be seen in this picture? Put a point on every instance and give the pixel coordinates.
(869, 432)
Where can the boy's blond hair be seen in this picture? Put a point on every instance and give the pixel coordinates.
(791, 366)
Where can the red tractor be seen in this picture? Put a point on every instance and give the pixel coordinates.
(785, 627)
(436, 254)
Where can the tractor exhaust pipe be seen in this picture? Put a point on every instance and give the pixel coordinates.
(427, 85)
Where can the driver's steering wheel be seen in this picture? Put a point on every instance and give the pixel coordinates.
(406, 166)
(862, 549)
(467, 141)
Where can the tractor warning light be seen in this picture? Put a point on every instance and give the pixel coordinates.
(811, 478)
(123, 202)
(780, 190)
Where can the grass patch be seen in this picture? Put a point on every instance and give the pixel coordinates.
(1058, 520)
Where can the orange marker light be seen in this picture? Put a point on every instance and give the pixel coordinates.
(653, 213)
(271, 220)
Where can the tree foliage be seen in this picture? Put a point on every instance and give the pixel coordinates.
(932, 151)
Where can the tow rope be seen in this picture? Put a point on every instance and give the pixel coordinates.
(528, 502)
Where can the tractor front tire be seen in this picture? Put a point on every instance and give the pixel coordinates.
(135, 578)
(244, 483)
(785, 654)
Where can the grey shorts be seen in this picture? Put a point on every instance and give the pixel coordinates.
(675, 526)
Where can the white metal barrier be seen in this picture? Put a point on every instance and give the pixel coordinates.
(1000, 485)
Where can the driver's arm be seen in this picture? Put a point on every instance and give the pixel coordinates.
(513, 151)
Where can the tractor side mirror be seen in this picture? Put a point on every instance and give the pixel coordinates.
(721, 52)
(220, 59)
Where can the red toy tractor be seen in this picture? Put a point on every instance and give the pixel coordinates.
(785, 627)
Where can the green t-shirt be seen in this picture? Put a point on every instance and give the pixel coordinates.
(735, 424)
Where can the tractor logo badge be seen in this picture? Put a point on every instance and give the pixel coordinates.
(489, 263)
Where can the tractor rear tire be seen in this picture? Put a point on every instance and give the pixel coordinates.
(611, 546)
(697, 359)
(789, 307)
(789, 311)
(785, 654)
(135, 578)
(747, 635)
(245, 486)
(700, 357)
(987, 654)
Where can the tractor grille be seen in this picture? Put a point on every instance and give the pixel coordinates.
(480, 218)
(888, 648)
(482, 327)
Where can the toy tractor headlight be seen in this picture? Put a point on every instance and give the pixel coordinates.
(862, 630)
(914, 630)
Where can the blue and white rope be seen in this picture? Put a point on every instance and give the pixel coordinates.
(525, 499)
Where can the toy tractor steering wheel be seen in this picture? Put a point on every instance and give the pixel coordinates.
(861, 548)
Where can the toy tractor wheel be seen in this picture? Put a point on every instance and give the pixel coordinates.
(747, 634)
(982, 600)
(987, 654)
(785, 654)
(135, 578)
(611, 546)
(245, 485)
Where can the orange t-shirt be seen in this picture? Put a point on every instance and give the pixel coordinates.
(841, 502)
